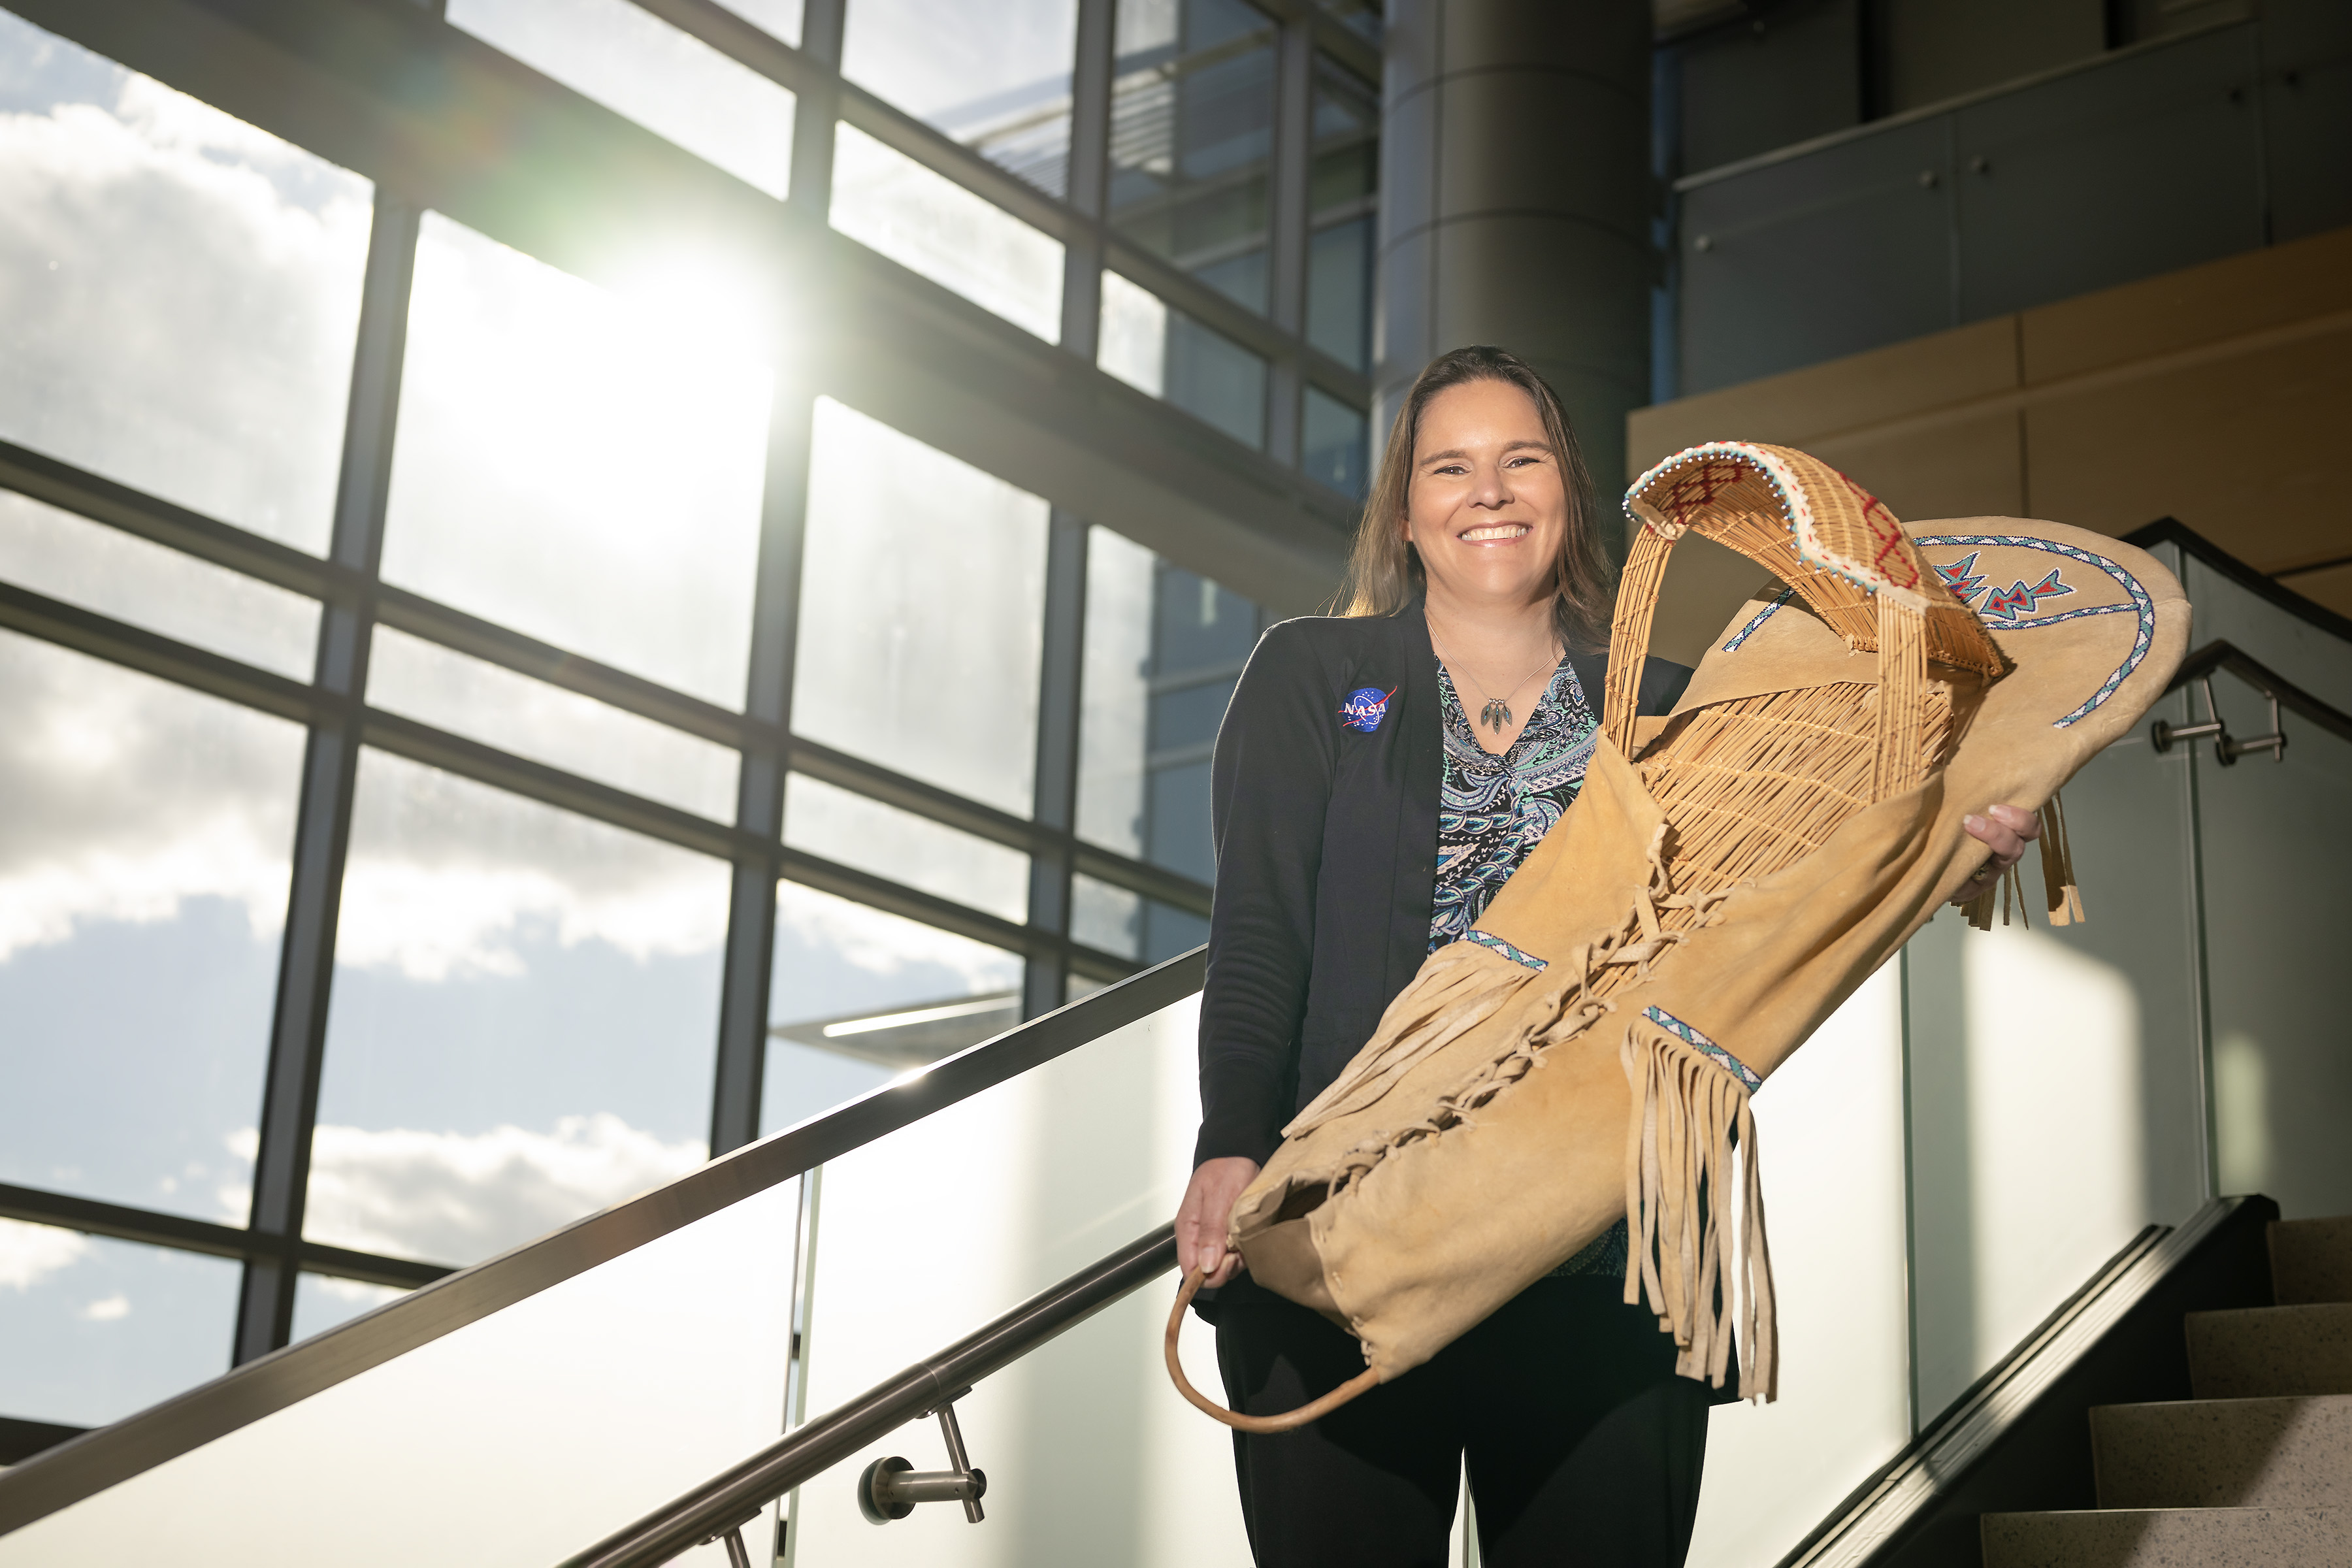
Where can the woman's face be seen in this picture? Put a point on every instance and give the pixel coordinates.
(1487, 505)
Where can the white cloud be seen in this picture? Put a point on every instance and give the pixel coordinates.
(107, 1310)
(31, 1253)
(445, 875)
(182, 296)
(457, 1197)
(129, 796)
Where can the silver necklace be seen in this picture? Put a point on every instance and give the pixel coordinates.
(1496, 715)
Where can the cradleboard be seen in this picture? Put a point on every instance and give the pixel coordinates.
(1728, 876)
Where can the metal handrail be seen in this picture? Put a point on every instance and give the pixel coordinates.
(90, 1464)
(734, 1496)
(2282, 693)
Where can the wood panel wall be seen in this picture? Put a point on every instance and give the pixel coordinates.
(2220, 395)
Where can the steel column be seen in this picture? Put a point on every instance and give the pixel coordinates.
(281, 1172)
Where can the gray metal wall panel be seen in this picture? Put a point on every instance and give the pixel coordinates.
(2145, 167)
(2307, 109)
(1788, 77)
(1931, 50)
(1817, 257)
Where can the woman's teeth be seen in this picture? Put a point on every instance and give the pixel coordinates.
(1494, 531)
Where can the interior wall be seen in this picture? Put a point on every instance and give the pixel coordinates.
(2056, 1099)
(2217, 394)
(2275, 841)
(2005, 155)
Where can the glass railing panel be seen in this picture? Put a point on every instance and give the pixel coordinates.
(515, 1440)
(923, 1236)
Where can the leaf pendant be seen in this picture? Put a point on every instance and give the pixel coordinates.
(1496, 715)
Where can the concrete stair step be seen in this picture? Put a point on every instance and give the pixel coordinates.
(2257, 1353)
(2170, 1538)
(2225, 1453)
(2311, 1260)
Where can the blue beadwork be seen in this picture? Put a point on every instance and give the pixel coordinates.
(1705, 1047)
(1516, 955)
(1779, 599)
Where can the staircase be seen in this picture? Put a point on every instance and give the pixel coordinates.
(2256, 1469)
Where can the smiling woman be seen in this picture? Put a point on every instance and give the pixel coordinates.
(1363, 822)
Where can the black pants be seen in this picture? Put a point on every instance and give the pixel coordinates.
(1582, 1445)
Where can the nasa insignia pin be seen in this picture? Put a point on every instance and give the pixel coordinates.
(1365, 708)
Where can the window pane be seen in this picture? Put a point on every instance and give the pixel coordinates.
(996, 76)
(1131, 925)
(132, 579)
(1168, 354)
(922, 606)
(1342, 191)
(665, 80)
(825, 820)
(1346, 174)
(573, 469)
(859, 995)
(525, 1009)
(144, 853)
(1339, 291)
(1163, 648)
(1192, 135)
(321, 1300)
(1333, 451)
(928, 224)
(494, 705)
(97, 1328)
(179, 292)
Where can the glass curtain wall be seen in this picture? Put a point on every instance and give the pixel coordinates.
(384, 799)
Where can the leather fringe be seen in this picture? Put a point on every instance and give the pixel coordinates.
(1461, 987)
(1704, 1276)
(2058, 882)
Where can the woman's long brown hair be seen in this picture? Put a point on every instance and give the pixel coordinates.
(1384, 570)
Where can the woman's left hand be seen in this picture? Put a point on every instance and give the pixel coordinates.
(2009, 829)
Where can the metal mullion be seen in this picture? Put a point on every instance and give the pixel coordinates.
(485, 764)
(1059, 696)
(544, 662)
(1140, 877)
(1089, 182)
(896, 898)
(743, 41)
(1095, 964)
(330, 766)
(1350, 48)
(946, 156)
(116, 505)
(1286, 221)
(926, 800)
(370, 1267)
(152, 653)
(737, 1086)
(1194, 298)
(151, 1227)
(1342, 381)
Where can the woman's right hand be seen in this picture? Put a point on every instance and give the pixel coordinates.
(1201, 1218)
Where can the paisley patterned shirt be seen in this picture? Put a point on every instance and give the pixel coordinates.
(1491, 813)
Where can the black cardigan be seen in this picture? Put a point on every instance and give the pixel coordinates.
(1327, 858)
